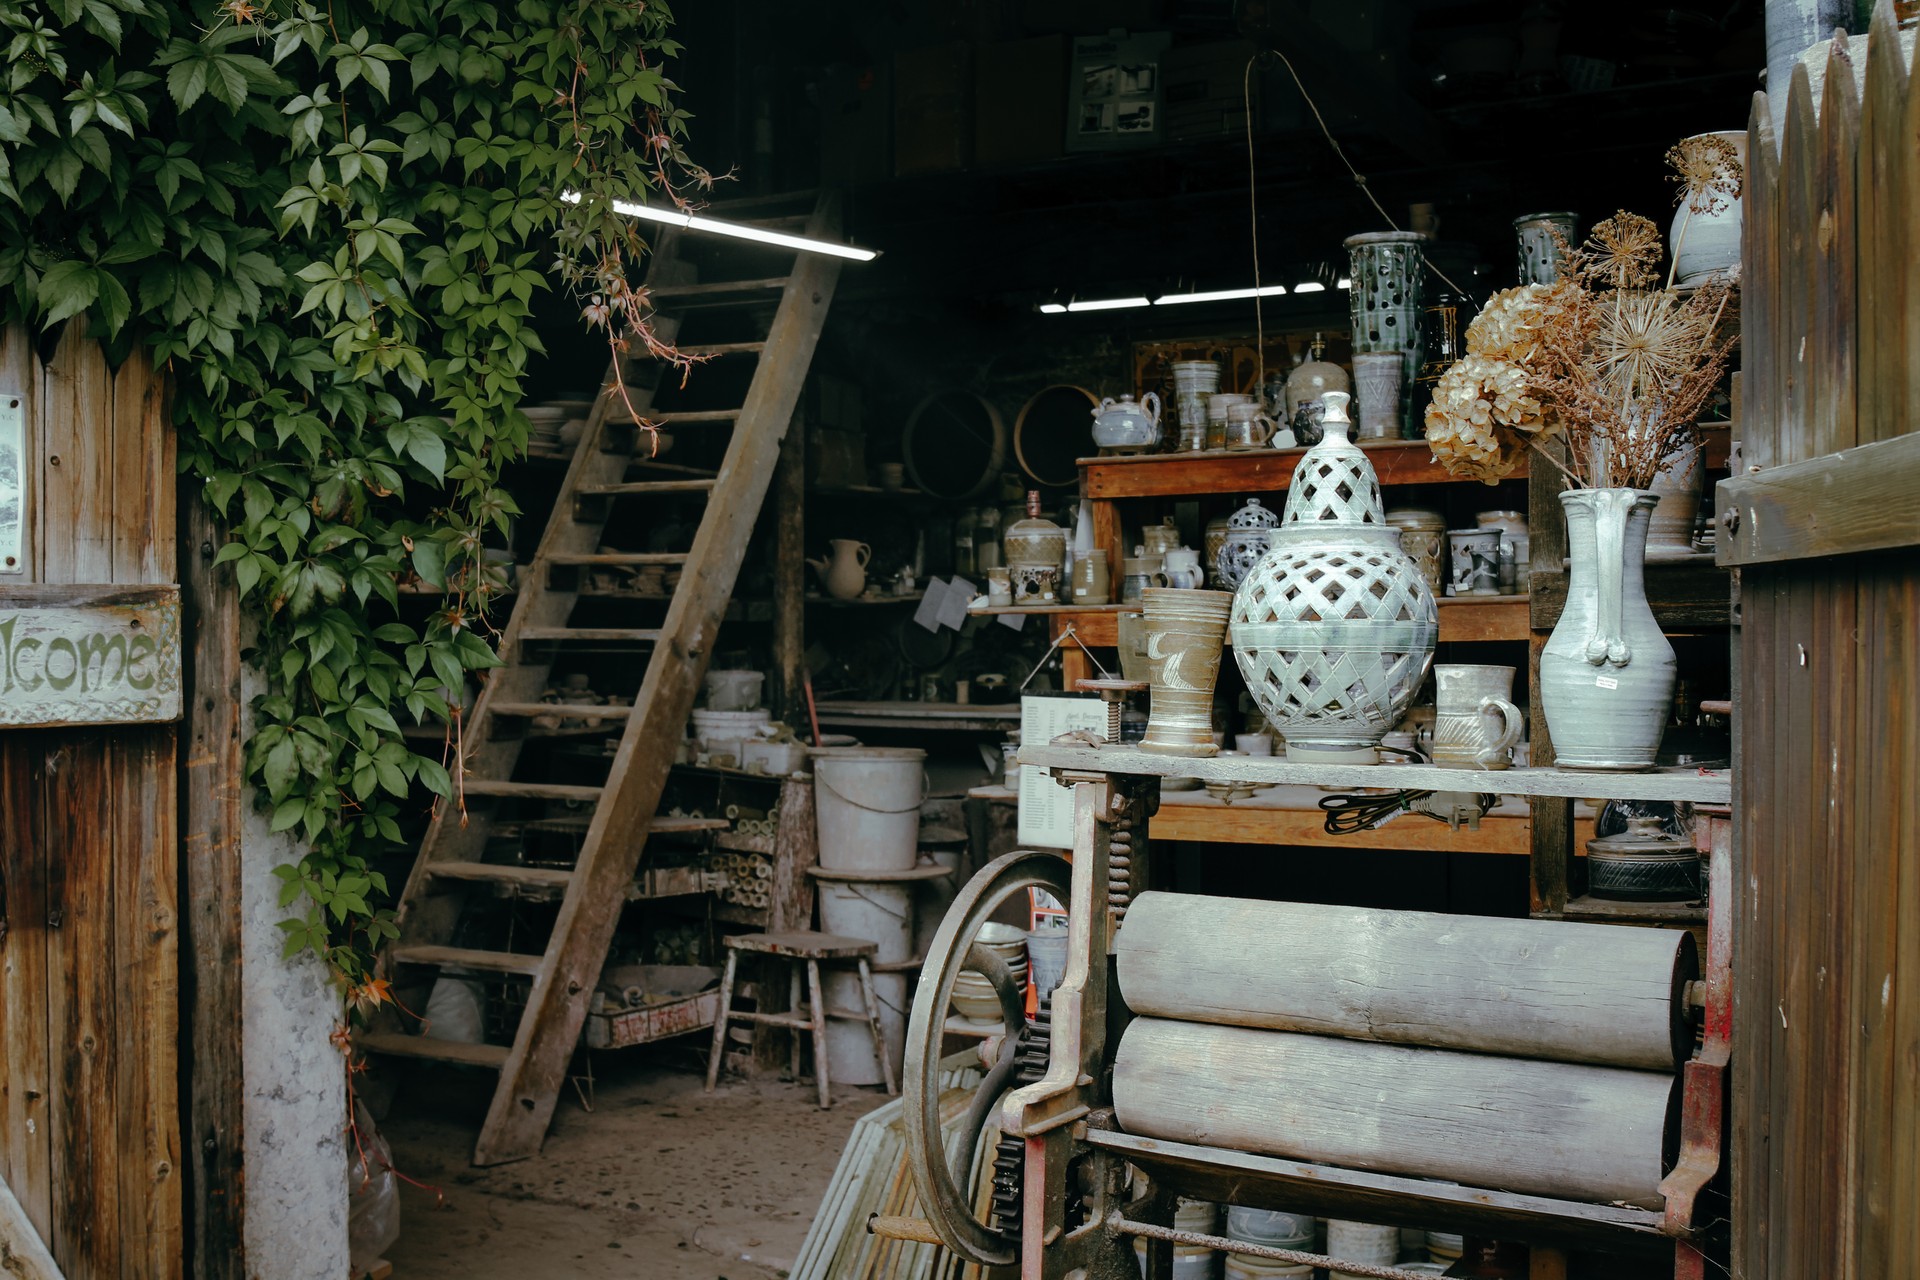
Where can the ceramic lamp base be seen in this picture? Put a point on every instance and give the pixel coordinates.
(1306, 753)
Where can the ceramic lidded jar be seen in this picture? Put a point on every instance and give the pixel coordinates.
(1334, 628)
(1126, 425)
(1249, 535)
(1644, 862)
(1036, 548)
(1423, 536)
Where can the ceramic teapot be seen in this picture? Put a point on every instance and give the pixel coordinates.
(1126, 425)
(845, 574)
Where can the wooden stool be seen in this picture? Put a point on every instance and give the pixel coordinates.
(797, 946)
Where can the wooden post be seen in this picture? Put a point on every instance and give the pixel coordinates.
(213, 795)
(790, 579)
(1552, 835)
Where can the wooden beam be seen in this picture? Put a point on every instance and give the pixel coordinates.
(1847, 503)
(23, 1256)
(790, 578)
(1171, 475)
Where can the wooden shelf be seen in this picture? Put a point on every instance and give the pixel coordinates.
(957, 716)
(1173, 475)
(1198, 817)
(1701, 786)
(1685, 594)
(1620, 911)
(1462, 618)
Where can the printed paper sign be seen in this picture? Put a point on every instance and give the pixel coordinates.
(1046, 807)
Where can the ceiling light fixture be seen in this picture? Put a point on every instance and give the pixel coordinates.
(738, 230)
(1310, 286)
(1345, 283)
(1220, 295)
(1107, 304)
(1052, 309)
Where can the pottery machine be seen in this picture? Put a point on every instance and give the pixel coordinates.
(1555, 1083)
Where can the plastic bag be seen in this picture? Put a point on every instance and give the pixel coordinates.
(373, 1193)
(454, 1009)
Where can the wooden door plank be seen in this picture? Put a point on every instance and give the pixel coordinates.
(78, 462)
(214, 793)
(145, 840)
(1759, 275)
(26, 1123)
(140, 504)
(82, 1002)
(22, 379)
(1882, 243)
(1832, 260)
(1905, 174)
(530, 1081)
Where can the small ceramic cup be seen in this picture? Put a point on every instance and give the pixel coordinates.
(1248, 428)
(1475, 562)
(1253, 744)
(1092, 582)
(1000, 588)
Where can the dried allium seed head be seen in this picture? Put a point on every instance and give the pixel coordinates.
(1622, 252)
(1708, 171)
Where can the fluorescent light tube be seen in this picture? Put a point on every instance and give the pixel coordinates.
(738, 230)
(1310, 286)
(1108, 304)
(1220, 295)
(1345, 283)
(1052, 309)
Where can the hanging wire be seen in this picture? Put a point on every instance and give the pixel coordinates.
(1359, 179)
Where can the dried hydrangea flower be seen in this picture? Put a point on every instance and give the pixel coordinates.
(1481, 414)
(1506, 327)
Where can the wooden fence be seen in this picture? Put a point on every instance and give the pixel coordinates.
(1822, 523)
(89, 972)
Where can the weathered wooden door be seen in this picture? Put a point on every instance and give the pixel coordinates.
(1823, 522)
(89, 978)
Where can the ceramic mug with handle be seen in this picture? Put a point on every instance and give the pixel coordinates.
(1249, 428)
(1475, 724)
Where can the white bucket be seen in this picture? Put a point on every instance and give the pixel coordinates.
(1190, 1261)
(1362, 1242)
(850, 1057)
(880, 913)
(867, 801)
(1263, 1226)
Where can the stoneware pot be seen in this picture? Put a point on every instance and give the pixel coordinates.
(1185, 629)
(844, 575)
(1678, 484)
(1092, 581)
(1377, 378)
(1705, 245)
(1131, 636)
(1644, 862)
(1248, 536)
(1607, 671)
(1536, 256)
(1158, 539)
(1423, 536)
(1475, 724)
(1475, 557)
(1334, 629)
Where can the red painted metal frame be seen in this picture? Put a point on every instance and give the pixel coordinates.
(1703, 1099)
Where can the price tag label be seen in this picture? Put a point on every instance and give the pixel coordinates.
(1606, 682)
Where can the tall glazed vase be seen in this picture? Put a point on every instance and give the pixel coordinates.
(1607, 672)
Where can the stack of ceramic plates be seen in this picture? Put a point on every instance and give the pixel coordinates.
(973, 996)
(1445, 1247)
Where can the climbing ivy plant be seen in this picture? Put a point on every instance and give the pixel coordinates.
(330, 222)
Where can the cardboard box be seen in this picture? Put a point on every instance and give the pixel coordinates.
(932, 109)
(1019, 101)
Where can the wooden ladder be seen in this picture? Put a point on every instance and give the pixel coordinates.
(452, 855)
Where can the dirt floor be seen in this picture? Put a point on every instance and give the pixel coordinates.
(660, 1182)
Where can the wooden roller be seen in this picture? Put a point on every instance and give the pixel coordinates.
(1604, 994)
(1597, 1134)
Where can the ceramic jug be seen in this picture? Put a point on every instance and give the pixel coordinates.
(1126, 425)
(845, 574)
(1248, 428)
(1607, 671)
(1475, 724)
(1183, 568)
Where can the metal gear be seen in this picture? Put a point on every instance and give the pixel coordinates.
(1010, 1154)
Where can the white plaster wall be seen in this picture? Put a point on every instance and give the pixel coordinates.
(296, 1101)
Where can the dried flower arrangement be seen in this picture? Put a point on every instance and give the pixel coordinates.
(1617, 367)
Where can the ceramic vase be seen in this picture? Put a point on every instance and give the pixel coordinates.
(1377, 379)
(845, 574)
(1707, 244)
(1334, 629)
(1423, 536)
(1184, 632)
(1387, 270)
(1678, 485)
(1247, 537)
(1092, 581)
(1536, 256)
(1607, 671)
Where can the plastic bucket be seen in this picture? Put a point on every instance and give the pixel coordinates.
(867, 804)
(1047, 958)
(850, 1057)
(880, 913)
(1190, 1261)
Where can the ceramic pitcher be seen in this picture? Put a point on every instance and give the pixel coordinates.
(845, 574)
(1607, 672)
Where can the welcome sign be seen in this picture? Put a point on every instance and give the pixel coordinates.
(89, 655)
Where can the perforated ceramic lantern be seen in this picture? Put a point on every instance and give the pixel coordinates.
(1334, 628)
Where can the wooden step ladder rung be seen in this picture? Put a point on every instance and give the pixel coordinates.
(708, 350)
(589, 635)
(685, 417)
(672, 468)
(569, 710)
(529, 790)
(639, 488)
(615, 559)
(513, 962)
(398, 1044)
(501, 873)
(717, 288)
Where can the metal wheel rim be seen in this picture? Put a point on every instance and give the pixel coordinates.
(948, 1208)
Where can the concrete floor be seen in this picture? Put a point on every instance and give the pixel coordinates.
(661, 1181)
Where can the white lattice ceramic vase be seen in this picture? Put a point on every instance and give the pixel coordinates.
(1334, 629)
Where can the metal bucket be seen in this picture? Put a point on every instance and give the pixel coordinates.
(867, 802)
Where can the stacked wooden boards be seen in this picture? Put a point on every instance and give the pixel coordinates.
(1530, 1056)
